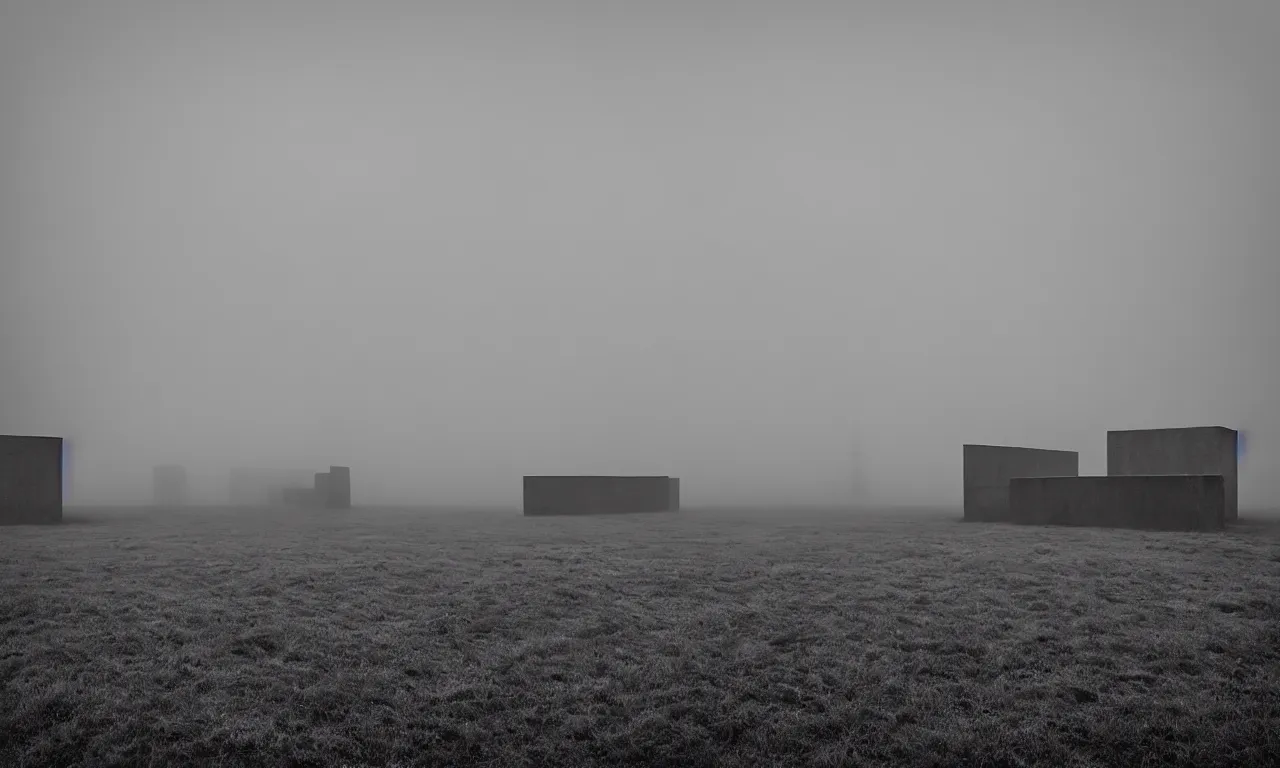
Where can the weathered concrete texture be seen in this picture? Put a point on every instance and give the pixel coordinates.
(169, 485)
(595, 494)
(264, 487)
(320, 489)
(988, 469)
(1178, 451)
(673, 498)
(339, 496)
(1149, 502)
(30, 479)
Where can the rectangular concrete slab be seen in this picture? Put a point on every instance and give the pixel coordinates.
(596, 494)
(169, 485)
(673, 498)
(1147, 502)
(1177, 451)
(339, 496)
(988, 469)
(30, 480)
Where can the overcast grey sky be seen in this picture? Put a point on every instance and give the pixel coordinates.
(739, 243)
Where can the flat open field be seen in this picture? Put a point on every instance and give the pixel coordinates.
(806, 638)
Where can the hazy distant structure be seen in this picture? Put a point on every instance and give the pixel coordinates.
(169, 485)
(1178, 451)
(303, 489)
(673, 495)
(320, 489)
(30, 480)
(989, 468)
(320, 494)
(597, 494)
(264, 487)
(1148, 502)
(298, 497)
(338, 485)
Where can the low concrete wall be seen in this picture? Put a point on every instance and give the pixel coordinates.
(673, 498)
(596, 494)
(30, 480)
(339, 496)
(169, 485)
(1148, 502)
(989, 468)
(1178, 451)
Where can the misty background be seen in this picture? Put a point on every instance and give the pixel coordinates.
(779, 251)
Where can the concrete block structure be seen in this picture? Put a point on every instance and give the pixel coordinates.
(264, 487)
(673, 497)
(1147, 502)
(339, 488)
(989, 468)
(597, 494)
(169, 485)
(30, 480)
(1178, 451)
(320, 489)
(299, 497)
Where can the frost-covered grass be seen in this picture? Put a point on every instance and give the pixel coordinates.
(714, 637)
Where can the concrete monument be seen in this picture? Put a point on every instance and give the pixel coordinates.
(596, 494)
(1177, 451)
(989, 468)
(1148, 502)
(30, 479)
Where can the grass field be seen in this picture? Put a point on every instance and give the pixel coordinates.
(806, 638)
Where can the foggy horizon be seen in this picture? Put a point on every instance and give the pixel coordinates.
(779, 254)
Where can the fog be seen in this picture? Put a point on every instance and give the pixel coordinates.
(781, 252)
